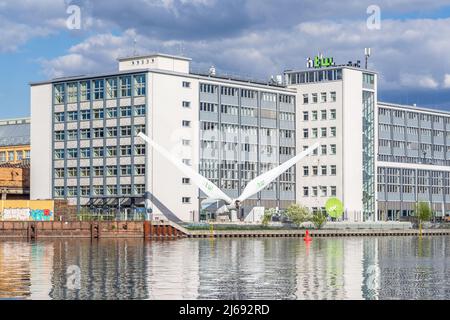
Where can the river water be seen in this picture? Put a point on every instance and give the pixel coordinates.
(259, 268)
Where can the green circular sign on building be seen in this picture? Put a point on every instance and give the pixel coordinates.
(334, 208)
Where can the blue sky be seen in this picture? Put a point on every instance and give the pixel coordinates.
(257, 38)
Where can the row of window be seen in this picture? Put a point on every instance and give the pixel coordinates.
(100, 171)
(324, 115)
(323, 97)
(323, 132)
(401, 114)
(413, 131)
(414, 146)
(246, 93)
(99, 89)
(98, 114)
(324, 149)
(99, 152)
(323, 170)
(325, 191)
(98, 190)
(315, 76)
(16, 155)
(109, 132)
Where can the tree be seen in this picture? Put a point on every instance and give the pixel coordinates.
(298, 214)
(319, 219)
(422, 213)
(268, 213)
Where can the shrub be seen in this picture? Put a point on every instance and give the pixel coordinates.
(298, 214)
(319, 219)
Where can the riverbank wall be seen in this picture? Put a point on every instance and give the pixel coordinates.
(168, 230)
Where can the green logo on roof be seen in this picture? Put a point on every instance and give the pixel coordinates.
(334, 208)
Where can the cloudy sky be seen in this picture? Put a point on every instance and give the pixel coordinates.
(257, 38)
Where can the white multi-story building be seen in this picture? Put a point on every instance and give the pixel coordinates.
(85, 149)
(378, 158)
(335, 106)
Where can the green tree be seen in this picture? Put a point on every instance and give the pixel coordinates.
(298, 214)
(422, 213)
(268, 213)
(319, 219)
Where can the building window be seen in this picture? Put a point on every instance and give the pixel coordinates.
(323, 97)
(99, 89)
(125, 86)
(305, 116)
(111, 132)
(323, 191)
(98, 190)
(305, 98)
(99, 132)
(85, 153)
(139, 169)
(305, 133)
(333, 96)
(186, 123)
(323, 170)
(111, 112)
(314, 115)
(59, 172)
(59, 154)
(139, 85)
(111, 190)
(59, 117)
(125, 151)
(306, 191)
(111, 151)
(72, 191)
(85, 91)
(305, 171)
(111, 171)
(314, 191)
(333, 170)
(98, 114)
(139, 128)
(333, 131)
(186, 84)
(314, 98)
(72, 172)
(139, 110)
(111, 88)
(323, 132)
(27, 154)
(186, 181)
(59, 93)
(85, 191)
(85, 133)
(59, 192)
(186, 104)
(85, 114)
(333, 149)
(186, 142)
(72, 135)
(187, 162)
(186, 200)
(323, 114)
(333, 114)
(125, 131)
(333, 191)
(125, 111)
(85, 172)
(98, 152)
(139, 189)
(139, 149)
(72, 116)
(314, 132)
(125, 190)
(72, 92)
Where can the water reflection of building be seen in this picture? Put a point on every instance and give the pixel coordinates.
(41, 266)
(331, 269)
(14, 269)
(173, 269)
(109, 269)
(414, 269)
(247, 269)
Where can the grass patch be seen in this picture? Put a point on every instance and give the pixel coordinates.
(230, 227)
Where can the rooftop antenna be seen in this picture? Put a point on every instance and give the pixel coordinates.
(367, 53)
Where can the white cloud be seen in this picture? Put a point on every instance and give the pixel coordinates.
(446, 83)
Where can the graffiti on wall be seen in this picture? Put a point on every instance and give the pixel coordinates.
(41, 215)
(16, 214)
(26, 214)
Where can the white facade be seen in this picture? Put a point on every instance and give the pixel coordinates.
(331, 111)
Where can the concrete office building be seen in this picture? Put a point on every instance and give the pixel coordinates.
(335, 105)
(85, 149)
(413, 160)
(378, 158)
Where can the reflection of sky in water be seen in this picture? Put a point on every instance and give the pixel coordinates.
(271, 268)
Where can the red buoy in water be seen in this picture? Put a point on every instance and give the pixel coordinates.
(307, 236)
